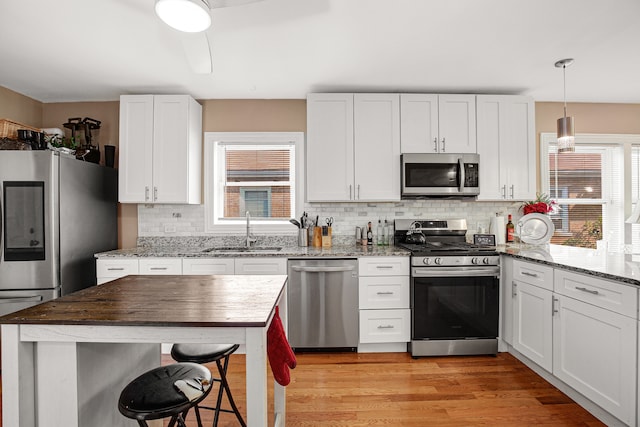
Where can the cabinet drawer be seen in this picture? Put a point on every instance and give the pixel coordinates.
(383, 266)
(533, 274)
(161, 266)
(385, 326)
(116, 267)
(259, 265)
(603, 293)
(208, 266)
(384, 292)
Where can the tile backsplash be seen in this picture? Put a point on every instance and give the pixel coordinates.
(169, 221)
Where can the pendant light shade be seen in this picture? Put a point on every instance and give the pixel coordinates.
(566, 131)
(189, 16)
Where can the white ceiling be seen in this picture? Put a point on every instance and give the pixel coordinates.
(95, 50)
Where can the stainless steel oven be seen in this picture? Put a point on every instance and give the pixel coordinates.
(454, 310)
(454, 289)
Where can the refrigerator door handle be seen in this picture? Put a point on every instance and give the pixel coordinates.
(10, 300)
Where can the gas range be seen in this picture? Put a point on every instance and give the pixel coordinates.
(441, 243)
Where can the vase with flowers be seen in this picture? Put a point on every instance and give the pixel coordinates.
(542, 204)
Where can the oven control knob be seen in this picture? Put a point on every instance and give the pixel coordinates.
(474, 260)
(438, 261)
(485, 261)
(426, 261)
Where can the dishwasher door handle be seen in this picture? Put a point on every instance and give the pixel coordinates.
(9, 300)
(322, 269)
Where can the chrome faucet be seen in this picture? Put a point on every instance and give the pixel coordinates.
(250, 240)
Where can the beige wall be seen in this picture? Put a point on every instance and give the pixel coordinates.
(258, 115)
(20, 108)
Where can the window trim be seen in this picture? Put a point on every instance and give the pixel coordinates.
(271, 227)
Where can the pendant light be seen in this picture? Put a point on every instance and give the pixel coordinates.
(566, 132)
(189, 16)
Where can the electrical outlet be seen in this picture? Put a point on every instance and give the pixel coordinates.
(169, 228)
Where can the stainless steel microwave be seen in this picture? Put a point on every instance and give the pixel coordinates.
(439, 175)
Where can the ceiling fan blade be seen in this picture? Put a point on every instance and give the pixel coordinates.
(198, 52)
(214, 4)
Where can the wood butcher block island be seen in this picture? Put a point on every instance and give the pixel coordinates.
(65, 362)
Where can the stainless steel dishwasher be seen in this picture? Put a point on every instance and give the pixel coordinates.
(323, 304)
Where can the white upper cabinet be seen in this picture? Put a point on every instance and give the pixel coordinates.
(353, 147)
(438, 123)
(160, 149)
(506, 145)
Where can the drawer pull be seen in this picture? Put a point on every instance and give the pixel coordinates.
(385, 327)
(385, 293)
(514, 289)
(580, 288)
(158, 268)
(115, 268)
(526, 273)
(384, 266)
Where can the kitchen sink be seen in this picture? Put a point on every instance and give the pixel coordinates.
(243, 249)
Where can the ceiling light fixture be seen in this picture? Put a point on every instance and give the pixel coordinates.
(190, 16)
(566, 132)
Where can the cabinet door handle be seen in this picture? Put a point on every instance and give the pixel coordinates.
(358, 191)
(443, 150)
(350, 192)
(115, 268)
(435, 145)
(553, 305)
(514, 287)
(580, 288)
(155, 193)
(512, 191)
(385, 327)
(526, 273)
(504, 191)
(146, 194)
(158, 268)
(385, 293)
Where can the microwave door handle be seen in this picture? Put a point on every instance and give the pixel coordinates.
(461, 175)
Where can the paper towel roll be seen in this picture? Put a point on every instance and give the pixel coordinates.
(497, 227)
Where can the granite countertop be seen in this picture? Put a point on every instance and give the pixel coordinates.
(614, 266)
(285, 252)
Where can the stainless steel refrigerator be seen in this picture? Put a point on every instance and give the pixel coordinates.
(56, 212)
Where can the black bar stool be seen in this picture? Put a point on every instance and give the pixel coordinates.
(167, 391)
(207, 353)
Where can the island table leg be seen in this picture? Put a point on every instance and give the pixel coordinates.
(18, 379)
(256, 364)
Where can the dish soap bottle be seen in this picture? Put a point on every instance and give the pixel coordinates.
(369, 234)
(510, 230)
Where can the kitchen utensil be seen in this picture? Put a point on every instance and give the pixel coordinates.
(295, 222)
(415, 237)
(303, 237)
(25, 135)
(536, 228)
(329, 221)
(317, 237)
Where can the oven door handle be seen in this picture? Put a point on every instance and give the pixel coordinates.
(455, 272)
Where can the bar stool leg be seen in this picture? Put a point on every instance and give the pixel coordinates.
(225, 385)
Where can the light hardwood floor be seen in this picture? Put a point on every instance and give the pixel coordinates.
(349, 389)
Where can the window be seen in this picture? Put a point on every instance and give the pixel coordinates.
(260, 173)
(589, 186)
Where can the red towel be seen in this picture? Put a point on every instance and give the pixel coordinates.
(281, 356)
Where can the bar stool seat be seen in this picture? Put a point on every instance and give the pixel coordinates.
(156, 394)
(207, 353)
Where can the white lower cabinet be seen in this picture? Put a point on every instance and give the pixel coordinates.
(208, 266)
(532, 323)
(384, 301)
(583, 330)
(260, 265)
(108, 269)
(594, 351)
(160, 266)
